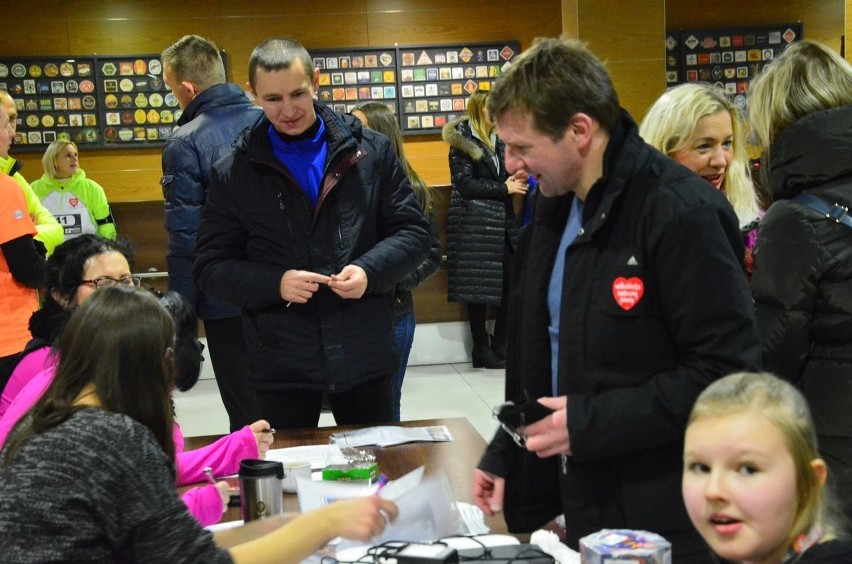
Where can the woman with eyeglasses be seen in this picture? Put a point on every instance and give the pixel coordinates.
(111, 498)
(77, 269)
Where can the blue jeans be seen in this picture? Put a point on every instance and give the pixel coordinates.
(403, 330)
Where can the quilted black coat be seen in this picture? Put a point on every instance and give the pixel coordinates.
(481, 218)
(802, 281)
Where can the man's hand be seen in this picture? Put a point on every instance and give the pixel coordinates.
(298, 286)
(350, 283)
(488, 492)
(549, 436)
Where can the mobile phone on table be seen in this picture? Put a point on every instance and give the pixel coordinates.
(233, 491)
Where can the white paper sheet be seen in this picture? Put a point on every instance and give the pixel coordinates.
(319, 456)
(389, 435)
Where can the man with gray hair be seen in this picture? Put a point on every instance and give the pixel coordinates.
(214, 113)
(310, 224)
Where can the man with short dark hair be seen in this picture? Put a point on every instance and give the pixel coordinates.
(628, 298)
(309, 225)
(214, 113)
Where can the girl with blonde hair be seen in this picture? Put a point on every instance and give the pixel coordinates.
(753, 480)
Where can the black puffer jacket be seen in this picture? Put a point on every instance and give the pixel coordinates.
(480, 217)
(257, 224)
(802, 280)
(631, 372)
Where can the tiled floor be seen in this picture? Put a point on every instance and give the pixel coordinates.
(440, 390)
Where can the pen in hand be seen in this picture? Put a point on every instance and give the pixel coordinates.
(382, 481)
(209, 473)
(270, 430)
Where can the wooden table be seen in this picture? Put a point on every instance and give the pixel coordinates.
(456, 458)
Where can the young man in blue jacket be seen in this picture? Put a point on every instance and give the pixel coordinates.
(309, 225)
(629, 297)
(214, 113)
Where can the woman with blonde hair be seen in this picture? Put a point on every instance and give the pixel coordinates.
(800, 109)
(753, 480)
(699, 126)
(78, 202)
(480, 226)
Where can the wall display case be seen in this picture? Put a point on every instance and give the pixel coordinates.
(728, 57)
(355, 76)
(94, 101)
(136, 107)
(424, 85)
(55, 97)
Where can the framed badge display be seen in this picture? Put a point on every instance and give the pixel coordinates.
(355, 76)
(98, 101)
(728, 57)
(424, 85)
(55, 98)
(436, 80)
(136, 107)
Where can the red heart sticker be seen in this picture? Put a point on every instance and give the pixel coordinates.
(627, 291)
(73, 202)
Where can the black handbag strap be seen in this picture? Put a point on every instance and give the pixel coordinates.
(837, 212)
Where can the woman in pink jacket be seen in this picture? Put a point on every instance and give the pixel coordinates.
(76, 269)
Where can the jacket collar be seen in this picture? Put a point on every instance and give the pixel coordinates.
(225, 94)
(10, 165)
(622, 151)
(812, 152)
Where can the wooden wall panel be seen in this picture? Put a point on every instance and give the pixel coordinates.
(147, 26)
(30, 36)
(635, 54)
(823, 19)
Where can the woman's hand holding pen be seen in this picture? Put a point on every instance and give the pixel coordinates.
(263, 435)
(299, 286)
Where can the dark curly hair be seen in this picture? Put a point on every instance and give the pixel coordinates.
(65, 269)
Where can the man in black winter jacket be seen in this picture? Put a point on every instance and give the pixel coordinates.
(309, 225)
(629, 297)
(214, 114)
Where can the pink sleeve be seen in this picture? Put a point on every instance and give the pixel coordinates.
(27, 397)
(27, 368)
(177, 438)
(205, 504)
(223, 457)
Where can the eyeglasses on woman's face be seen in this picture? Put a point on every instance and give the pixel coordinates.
(108, 282)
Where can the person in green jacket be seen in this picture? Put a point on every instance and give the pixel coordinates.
(50, 233)
(79, 203)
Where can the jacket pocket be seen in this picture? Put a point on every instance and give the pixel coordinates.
(165, 180)
(625, 323)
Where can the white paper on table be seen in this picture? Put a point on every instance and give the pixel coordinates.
(319, 456)
(425, 504)
(389, 435)
(224, 526)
